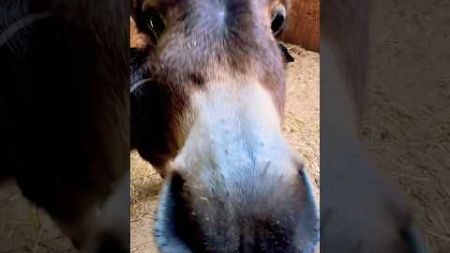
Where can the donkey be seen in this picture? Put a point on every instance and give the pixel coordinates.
(360, 211)
(207, 102)
(64, 114)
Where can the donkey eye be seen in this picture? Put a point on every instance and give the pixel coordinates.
(278, 19)
(155, 23)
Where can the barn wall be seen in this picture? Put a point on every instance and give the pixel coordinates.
(303, 25)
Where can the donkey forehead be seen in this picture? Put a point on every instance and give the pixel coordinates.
(231, 36)
(229, 4)
(217, 18)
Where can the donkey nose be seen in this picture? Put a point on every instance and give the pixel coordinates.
(310, 219)
(265, 212)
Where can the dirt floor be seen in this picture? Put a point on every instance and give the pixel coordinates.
(25, 228)
(301, 128)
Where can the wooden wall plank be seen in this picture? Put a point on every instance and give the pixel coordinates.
(303, 26)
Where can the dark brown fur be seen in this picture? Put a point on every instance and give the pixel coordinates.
(64, 105)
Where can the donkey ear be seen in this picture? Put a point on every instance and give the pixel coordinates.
(286, 55)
